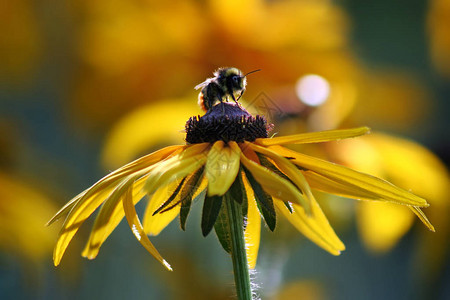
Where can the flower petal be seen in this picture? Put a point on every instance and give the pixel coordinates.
(78, 214)
(66, 208)
(89, 200)
(315, 227)
(138, 231)
(263, 200)
(109, 181)
(109, 216)
(326, 185)
(291, 171)
(83, 210)
(154, 224)
(176, 167)
(313, 137)
(385, 190)
(222, 166)
(252, 233)
(421, 215)
(170, 203)
(271, 183)
(189, 193)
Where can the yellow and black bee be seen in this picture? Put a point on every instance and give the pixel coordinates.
(226, 82)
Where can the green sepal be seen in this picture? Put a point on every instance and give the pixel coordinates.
(244, 209)
(236, 190)
(211, 209)
(222, 229)
(187, 192)
(171, 198)
(288, 206)
(243, 195)
(269, 165)
(263, 200)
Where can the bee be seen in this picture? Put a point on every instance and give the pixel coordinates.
(226, 82)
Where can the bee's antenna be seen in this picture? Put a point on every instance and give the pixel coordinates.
(252, 72)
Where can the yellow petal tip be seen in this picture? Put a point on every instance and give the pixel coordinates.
(338, 251)
(430, 226)
(50, 222)
(90, 256)
(213, 192)
(56, 262)
(167, 265)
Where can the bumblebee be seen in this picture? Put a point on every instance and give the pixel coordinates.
(226, 82)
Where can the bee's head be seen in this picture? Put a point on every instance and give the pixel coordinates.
(235, 79)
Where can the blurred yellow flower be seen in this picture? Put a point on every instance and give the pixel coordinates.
(310, 290)
(132, 135)
(23, 213)
(20, 41)
(228, 153)
(140, 52)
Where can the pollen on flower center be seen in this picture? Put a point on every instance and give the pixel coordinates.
(226, 122)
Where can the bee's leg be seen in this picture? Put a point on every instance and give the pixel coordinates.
(236, 100)
(220, 96)
(240, 95)
(210, 103)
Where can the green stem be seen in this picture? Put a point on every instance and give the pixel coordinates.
(238, 253)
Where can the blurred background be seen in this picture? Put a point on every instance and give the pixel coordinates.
(87, 86)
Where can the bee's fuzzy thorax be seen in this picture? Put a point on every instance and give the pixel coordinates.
(227, 84)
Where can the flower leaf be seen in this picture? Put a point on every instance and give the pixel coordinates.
(187, 193)
(211, 209)
(237, 189)
(269, 165)
(263, 200)
(171, 198)
(222, 229)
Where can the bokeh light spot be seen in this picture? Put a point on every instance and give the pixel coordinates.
(312, 89)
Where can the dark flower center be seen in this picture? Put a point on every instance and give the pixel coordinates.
(226, 122)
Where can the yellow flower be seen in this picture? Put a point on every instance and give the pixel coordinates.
(407, 164)
(21, 42)
(228, 153)
(130, 52)
(23, 211)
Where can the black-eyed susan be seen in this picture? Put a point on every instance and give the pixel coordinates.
(240, 174)
(228, 152)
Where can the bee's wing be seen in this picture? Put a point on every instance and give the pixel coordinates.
(203, 84)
